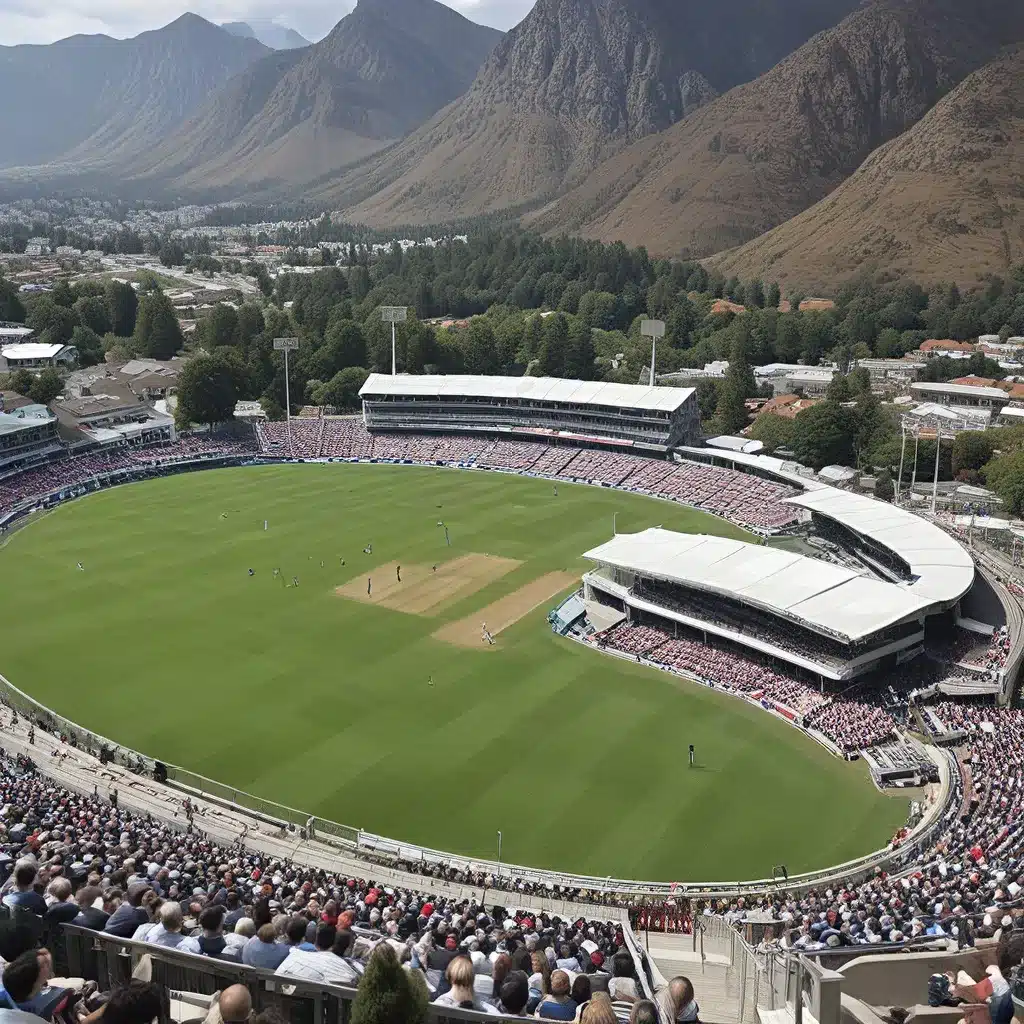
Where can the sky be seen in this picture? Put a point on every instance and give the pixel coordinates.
(29, 21)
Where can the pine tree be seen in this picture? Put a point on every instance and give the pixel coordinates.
(387, 994)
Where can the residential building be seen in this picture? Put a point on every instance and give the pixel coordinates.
(812, 381)
(35, 356)
(965, 395)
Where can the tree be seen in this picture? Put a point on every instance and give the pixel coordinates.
(92, 313)
(387, 993)
(884, 487)
(553, 345)
(220, 327)
(730, 412)
(11, 308)
(772, 296)
(773, 431)
(157, 331)
(580, 354)
(262, 278)
(172, 253)
(972, 449)
(21, 381)
(478, 346)
(342, 390)
(46, 387)
(122, 308)
(88, 344)
(838, 389)
(1005, 476)
(207, 391)
(53, 323)
(823, 435)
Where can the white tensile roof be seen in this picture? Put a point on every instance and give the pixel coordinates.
(533, 389)
(943, 566)
(824, 596)
(31, 350)
(966, 390)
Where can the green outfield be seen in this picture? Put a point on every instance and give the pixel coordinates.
(357, 712)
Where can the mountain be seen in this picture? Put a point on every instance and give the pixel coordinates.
(770, 149)
(382, 71)
(939, 203)
(277, 37)
(571, 83)
(88, 98)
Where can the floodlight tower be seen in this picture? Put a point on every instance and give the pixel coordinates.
(287, 345)
(653, 329)
(393, 315)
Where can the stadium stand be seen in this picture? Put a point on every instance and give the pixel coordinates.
(74, 474)
(969, 867)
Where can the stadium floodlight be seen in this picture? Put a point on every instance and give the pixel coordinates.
(393, 315)
(653, 329)
(287, 345)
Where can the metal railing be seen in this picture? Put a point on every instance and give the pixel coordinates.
(111, 961)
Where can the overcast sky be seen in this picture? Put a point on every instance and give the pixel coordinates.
(29, 21)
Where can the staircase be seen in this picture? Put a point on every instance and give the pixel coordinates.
(713, 975)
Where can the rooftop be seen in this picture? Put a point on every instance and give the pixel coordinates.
(827, 598)
(530, 389)
(31, 350)
(964, 390)
(943, 567)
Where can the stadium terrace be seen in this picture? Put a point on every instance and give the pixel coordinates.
(630, 413)
(824, 618)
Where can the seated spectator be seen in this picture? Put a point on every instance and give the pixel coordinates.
(514, 994)
(600, 1010)
(232, 1006)
(622, 985)
(24, 895)
(89, 915)
(263, 950)
(644, 1012)
(322, 966)
(237, 939)
(679, 1003)
(295, 934)
(211, 942)
(459, 974)
(25, 981)
(130, 914)
(557, 1004)
(167, 931)
(63, 908)
(137, 1002)
(581, 990)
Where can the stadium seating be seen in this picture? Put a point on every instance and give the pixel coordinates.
(850, 725)
(74, 473)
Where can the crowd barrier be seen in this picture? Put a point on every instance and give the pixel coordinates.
(112, 961)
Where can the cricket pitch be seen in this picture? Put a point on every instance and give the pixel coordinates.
(422, 590)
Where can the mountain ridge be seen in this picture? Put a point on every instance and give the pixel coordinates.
(386, 67)
(571, 83)
(938, 203)
(770, 149)
(96, 98)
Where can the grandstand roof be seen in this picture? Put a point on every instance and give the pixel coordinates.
(825, 597)
(943, 566)
(532, 389)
